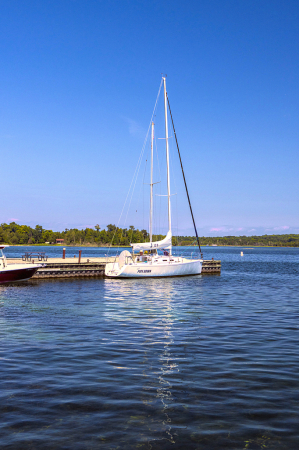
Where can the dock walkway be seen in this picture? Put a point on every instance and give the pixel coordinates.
(91, 267)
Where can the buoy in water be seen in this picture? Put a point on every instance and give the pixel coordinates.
(241, 253)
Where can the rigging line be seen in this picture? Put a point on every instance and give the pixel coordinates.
(141, 187)
(130, 188)
(183, 175)
(143, 195)
(189, 246)
(142, 151)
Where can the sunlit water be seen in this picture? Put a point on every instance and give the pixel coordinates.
(202, 362)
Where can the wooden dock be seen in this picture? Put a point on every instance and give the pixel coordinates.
(92, 267)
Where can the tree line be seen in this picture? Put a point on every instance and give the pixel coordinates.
(274, 240)
(15, 234)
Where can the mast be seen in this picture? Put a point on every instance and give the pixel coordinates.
(151, 200)
(167, 155)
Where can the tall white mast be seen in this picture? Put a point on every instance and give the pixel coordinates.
(167, 155)
(151, 201)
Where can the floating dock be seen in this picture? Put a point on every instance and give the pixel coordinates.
(91, 267)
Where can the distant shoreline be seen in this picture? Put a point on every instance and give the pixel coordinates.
(15, 234)
(127, 246)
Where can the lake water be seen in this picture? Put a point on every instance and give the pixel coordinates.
(202, 362)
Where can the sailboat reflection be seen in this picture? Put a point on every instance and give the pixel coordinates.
(148, 311)
(168, 367)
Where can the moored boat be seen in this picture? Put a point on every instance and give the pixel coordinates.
(15, 272)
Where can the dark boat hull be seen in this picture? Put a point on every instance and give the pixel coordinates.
(10, 276)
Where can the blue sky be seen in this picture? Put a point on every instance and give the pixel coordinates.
(78, 84)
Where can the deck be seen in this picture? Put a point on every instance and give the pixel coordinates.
(90, 267)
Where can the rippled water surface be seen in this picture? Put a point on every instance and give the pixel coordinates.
(202, 362)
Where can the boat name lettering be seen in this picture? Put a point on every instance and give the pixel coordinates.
(143, 271)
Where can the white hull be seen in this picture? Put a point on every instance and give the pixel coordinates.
(182, 267)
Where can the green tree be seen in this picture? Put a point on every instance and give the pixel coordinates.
(37, 234)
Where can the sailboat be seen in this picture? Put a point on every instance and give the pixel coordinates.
(145, 261)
